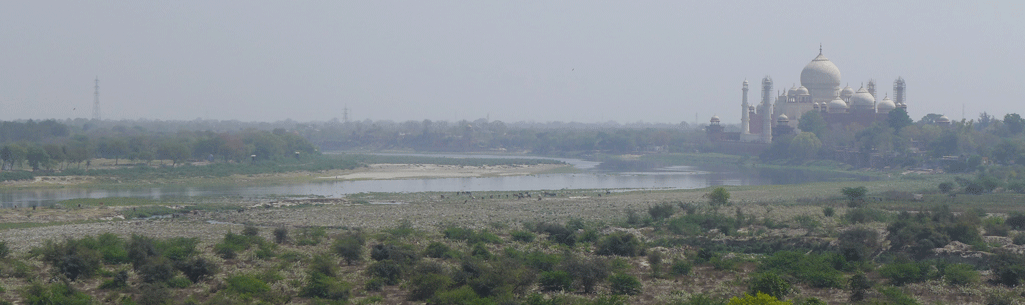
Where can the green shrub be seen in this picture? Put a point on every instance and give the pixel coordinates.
(588, 272)
(858, 284)
(461, 295)
(311, 236)
(197, 269)
(661, 211)
(555, 281)
(112, 248)
(178, 282)
(1019, 239)
(439, 250)
(816, 270)
(694, 224)
(281, 235)
(522, 236)
(995, 227)
(72, 258)
(425, 286)
(156, 270)
(625, 284)
(960, 274)
(56, 293)
(903, 271)
(245, 284)
(119, 281)
(858, 244)
(350, 248)
(250, 231)
(389, 270)
(1008, 268)
(374, 284)
(543, 261)
(1016, 220)
(401, 253)
(680, 267)
(323, 264)
(319, 285)
(769, 283)
(557, 233)
(757, 299)
(894, 295)
(866, 215)
(619, 243)
(479, 250)
(828, 211)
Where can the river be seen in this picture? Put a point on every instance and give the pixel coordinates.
(676, 177)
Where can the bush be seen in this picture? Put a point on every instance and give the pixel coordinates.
(72, 258)
(424, 286)
(543, 261)
(828, 211)
(719, 197)
(816, 270)
(250, 231)
(401, 253)
(350, 248)
(769, 283)
(389, 270)
(311, 236)
(858, 284)
(319, 285)
(178, 282)
(854, 195)
(619, 243)
(374, 284)
(119, 281)
(758, 299)
(197, 269)
(587, 271)
(1016, 220)
(439, 250)
(522, 236)
(903, 271)
(625, 284)
(156, 270)
(247, 285)
(960, 274)
(555, 281)
(661, 211)
(946, 187)
(1019, 239)
(866, 215)
(557, 233)
(56, 293)
(681, 267)
(281, 235)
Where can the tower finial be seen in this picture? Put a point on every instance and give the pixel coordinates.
(820, 48)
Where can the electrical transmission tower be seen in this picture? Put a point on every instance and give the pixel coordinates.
(96, 100)
(345, 114)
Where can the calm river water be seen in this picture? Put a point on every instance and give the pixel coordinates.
(677, 177)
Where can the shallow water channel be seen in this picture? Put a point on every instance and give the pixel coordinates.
(675, 177)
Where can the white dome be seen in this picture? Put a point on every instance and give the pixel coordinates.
(819, 73)
(715, 118)
(847, 92)
(837, 106)
(863, 100)
(792, 92)
(942, 119)
(802, 91)
(885, 106)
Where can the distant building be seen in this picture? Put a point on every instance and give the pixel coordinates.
(819, 91)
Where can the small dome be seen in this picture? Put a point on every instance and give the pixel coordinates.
(942, 120)
(863, 100)
(792, 92)
(802, 91)
(715, 119)
(847, 91)
(902, 106)
(782, 118)
(885, 106)
(837, 106)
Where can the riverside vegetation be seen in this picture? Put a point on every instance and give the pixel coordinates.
(837, 244)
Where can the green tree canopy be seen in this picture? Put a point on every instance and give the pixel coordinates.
(898, 118)
(719, 196)
(1015, 124)
(813, 122)
(805, 146)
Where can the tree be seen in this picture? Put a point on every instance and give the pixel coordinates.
(813, 122)
(805, 146)
(854, 194)
(719, 197)
(37, 157)
(930, 118)
(898, 118)
(1015, 124)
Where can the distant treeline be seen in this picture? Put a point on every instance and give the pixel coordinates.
(51, 145)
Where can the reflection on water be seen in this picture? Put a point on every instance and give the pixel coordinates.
(677, 177)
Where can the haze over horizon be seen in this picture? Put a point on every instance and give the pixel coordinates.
(574, 61)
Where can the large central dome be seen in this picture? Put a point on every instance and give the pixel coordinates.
(820, 73)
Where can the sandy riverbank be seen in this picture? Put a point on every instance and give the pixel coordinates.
(407, 171)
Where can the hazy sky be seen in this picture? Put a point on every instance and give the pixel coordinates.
(584, 61)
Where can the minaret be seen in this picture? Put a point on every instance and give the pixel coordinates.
(766, 109)
(898, 91)
(745, 120)
(96, 100)
(871, 87)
